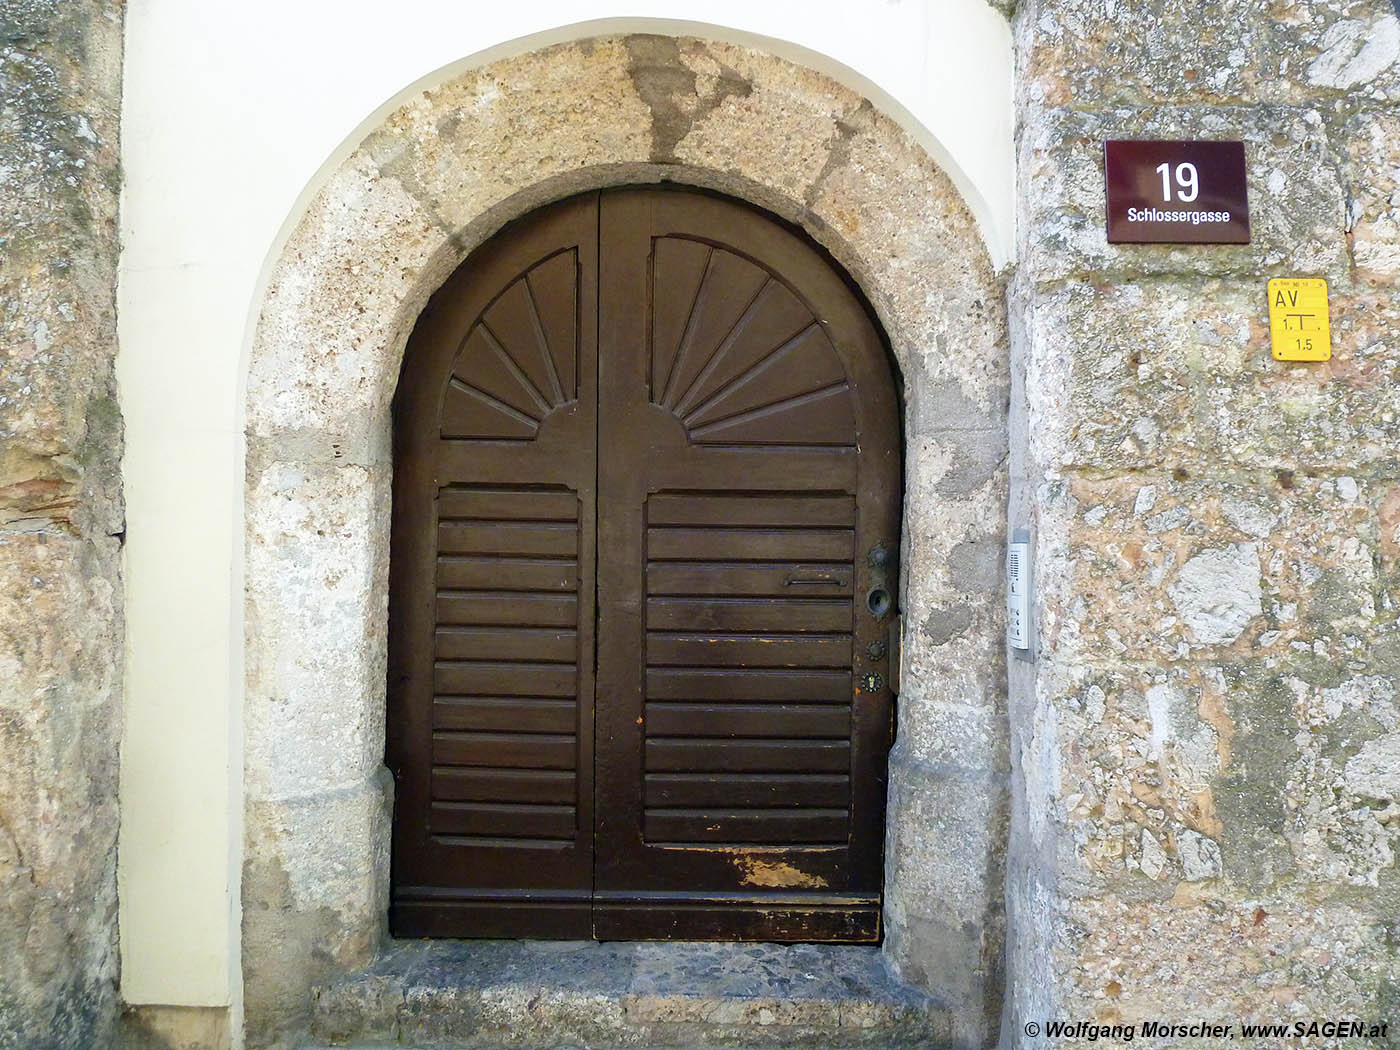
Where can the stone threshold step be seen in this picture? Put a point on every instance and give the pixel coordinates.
(542, 995)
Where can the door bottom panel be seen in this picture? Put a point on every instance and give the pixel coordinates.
(641, 916)
(803, 918)
(496, 915)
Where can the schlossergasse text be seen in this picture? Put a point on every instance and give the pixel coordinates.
(1092, 1031)
(1195, 218)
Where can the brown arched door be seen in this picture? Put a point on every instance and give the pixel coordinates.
(646, 507)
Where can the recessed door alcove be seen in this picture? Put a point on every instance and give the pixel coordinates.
(646, 512)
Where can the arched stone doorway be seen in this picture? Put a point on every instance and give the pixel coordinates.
(438, 177)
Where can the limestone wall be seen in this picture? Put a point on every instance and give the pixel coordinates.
(1208, 808)
(60, 522)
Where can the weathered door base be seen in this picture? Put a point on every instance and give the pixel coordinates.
(782, 918)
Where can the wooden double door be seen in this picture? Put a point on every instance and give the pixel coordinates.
(646, 509)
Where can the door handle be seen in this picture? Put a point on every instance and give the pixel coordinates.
(825, 578)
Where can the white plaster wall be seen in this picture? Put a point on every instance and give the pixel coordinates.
(231, 114)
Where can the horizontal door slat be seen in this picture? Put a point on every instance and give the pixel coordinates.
(749, 720)
(748, 756)
(489, 607)
(519, 750)
(504, 679)
(752, 790)
(750, 509)
(748, 614)
(741, 650)
(506, 643)
(545, 538)
(485, 573)
(811, 826)
(665, 542)
(507, 504)
(507, 714)
(667, 683)
(775, 579)
(502, 820)
(773, 468)
(504, 785)
(539, 461)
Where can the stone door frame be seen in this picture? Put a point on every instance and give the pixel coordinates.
(431, 182)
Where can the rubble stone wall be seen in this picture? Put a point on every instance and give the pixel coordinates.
(60, 522)
(1208, 808)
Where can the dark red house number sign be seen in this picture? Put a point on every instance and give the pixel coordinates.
(1176, 192)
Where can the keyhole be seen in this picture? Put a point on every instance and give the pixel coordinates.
(879, 602)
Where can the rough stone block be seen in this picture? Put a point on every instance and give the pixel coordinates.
(489, 994)
(444, 147)
(341, 299)
(950, 733)
(736, 92)
(1136, 53)
(1136, 754)
(951, 603)
(60, 645)
(314, 712)
(1273, 960)
(61, 628)
(1373, 185)
(1131, 53)
(1352, 49)
(1249, 772)
(1184, 378)
(1256, 563)
(944, 860)
(313, 905)
(905, 240)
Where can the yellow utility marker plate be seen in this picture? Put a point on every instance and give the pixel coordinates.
(1298, 321)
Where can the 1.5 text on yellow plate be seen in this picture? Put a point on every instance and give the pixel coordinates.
(1298, 320)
